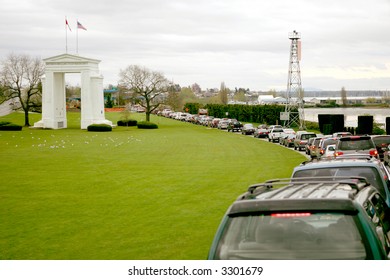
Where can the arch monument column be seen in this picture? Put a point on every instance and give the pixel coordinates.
(54, 97)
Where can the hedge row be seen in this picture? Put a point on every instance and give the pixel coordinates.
(99, 127)
(329, 123)
(268, 114)
(127, 123)
(8, 126)
(365, 125)
(147, 125)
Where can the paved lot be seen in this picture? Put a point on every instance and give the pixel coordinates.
(7, 107)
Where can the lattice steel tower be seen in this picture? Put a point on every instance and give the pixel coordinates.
(294, 112)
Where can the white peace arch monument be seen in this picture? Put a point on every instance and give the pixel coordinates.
(53, 91)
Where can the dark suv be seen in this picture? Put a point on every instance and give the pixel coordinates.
(370, 168)
(234, 125)
(308, 219)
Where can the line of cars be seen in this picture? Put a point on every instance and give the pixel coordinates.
(334, 207)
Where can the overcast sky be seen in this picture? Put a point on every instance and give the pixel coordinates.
(243, 43)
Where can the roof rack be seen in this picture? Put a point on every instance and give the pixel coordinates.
(356, 156)
(357, 183)
(341, 157)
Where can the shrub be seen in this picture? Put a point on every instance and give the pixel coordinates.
(99, 127)
(365, 124)
(147, 125)
(4, 123)
(127, 123)
(327, 128)
(10, 127)
(335, 120)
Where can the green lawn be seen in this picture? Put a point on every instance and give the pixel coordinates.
(126, 194)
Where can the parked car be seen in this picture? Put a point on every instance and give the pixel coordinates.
(285, 133)
(288, 141)
(234, 125)
(274, 126)
(309, 144)
(381, 143)
(356, 145)
(274, 134)
(261, 131)
(386, 156)
(214, 122)
(324, 142)
(307, 219)
(370, 168)
(329, 151)
(223, 124)
(248, 129)
(313, 149)
(302, 138)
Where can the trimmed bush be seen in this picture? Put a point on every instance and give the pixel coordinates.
(10, 127)
(99, 127)
(4, 123)
(127, 123)
(147, 125)
(365, 124)
(328, 128)
(335, 120)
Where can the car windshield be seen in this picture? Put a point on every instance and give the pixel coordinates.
(370, 173)
(292, 236)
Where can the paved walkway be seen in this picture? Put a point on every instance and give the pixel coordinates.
(7, 107)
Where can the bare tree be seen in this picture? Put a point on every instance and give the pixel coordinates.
(146, 85)
(223, 94)
(343, 96)
(20, 77)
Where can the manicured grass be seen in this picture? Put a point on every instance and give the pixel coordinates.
(126, 194)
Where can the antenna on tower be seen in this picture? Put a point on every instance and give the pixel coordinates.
(294, 111)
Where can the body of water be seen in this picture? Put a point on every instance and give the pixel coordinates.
(350, 114)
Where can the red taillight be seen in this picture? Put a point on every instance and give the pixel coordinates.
(373, 153)
(290, 215)
(336, 154)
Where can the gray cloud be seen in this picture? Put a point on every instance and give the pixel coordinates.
(243, 43)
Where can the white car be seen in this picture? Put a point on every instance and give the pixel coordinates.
(329, 151)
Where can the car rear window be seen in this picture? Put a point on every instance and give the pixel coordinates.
(292, 236)
(356, 144)
(308, 136)
(381, 141)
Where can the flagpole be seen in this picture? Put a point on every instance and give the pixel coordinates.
(77, 37)
(66, 36)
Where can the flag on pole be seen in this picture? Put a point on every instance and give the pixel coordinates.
(80, 26)
(67, 24)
